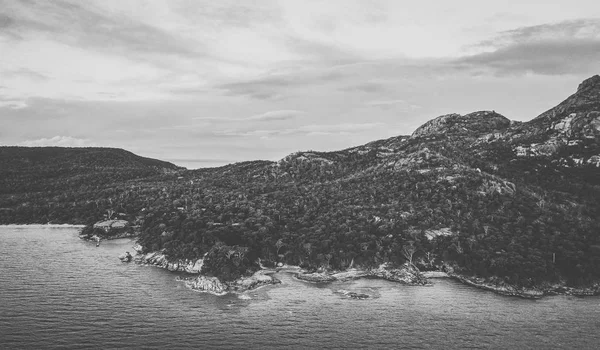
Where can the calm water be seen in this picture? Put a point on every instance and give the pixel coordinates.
(57, 291)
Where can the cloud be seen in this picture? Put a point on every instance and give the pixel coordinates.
(565, 30)
(285, 114)
(545, 58)
(82, 24)
(8, 102)
(570, 47)
(277, 115)
(263, 88)
(24, 73)
(304, 130)
(272, 86)
(58, 141)
(386, 104)
(368, 87)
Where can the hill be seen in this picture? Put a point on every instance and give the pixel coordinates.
(52, 184)
(489, 197)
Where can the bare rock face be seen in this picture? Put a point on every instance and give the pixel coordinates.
(570, 130)
(111, 225)
(258, 279)
(208, 285)
(476, 123)
(406, 274)
(585, 101)
(160, 260)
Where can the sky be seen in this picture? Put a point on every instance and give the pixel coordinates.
(207, 83)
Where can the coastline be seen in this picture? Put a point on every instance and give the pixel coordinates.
(256, 280)
(202, 283)
(404, 274)
(539, 292)
(41, 226)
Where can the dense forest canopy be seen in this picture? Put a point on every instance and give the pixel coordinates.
(478, 192)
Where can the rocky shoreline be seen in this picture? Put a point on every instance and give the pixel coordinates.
(98, 239)
(207, 284)
(213, 285)
(405, 274)
(527, 293)
(160, 260)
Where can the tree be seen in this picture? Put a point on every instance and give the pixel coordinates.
(430, 259)
(408, 250)
(279, 244)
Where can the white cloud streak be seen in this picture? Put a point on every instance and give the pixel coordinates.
(58, 141)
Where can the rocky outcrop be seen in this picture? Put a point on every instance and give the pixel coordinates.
(589, 83)
(478, 123)
(497, 286)
(109, 229)
(258, 279)
(204, 283)
(109, 225)
(207, 285)
(406, 274)
(159, 259)
(215, 286)
(353, 295)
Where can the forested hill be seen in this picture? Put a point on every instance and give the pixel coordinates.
(56, 184)
(479, 192)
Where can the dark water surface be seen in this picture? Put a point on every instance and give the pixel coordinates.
(57, 291)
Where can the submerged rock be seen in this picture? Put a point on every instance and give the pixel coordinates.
(126, 257)
(354, 295)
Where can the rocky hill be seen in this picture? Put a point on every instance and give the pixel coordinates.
(514, 202)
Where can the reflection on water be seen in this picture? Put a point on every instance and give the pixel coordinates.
(58, 291)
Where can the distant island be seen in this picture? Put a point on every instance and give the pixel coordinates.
(506, 206)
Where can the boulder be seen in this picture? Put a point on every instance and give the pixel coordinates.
(126, 257)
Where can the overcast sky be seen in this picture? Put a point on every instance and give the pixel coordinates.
(206, 83)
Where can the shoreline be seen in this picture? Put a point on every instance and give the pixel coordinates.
(505, 289)
(203, 283)
(404, 274)
(41, 226)
(302, 275)
(96, 238)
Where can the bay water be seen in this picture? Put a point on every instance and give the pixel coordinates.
(57, 291)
